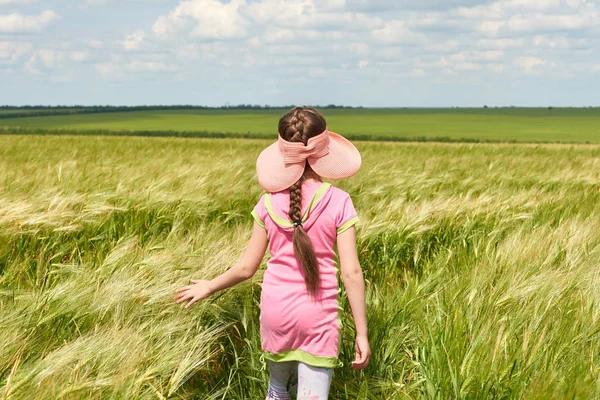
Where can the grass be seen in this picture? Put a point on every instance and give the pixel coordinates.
(481, 263)
(500, 125)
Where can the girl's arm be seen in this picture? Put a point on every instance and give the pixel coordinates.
(244, 269)
(354, 283)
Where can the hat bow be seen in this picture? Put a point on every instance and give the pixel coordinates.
(297, 152)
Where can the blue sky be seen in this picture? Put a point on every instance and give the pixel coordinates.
(279, 52)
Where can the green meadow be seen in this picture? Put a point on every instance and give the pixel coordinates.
(481, 260)
(496, 125)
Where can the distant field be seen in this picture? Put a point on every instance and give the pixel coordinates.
(13, 111)
(506, 124)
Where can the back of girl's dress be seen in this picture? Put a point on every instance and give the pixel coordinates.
(293, 325)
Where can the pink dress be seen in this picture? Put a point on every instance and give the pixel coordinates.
(293, 325)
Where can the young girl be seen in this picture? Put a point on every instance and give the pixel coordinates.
(301, 219)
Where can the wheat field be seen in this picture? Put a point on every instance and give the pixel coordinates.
(481, 266)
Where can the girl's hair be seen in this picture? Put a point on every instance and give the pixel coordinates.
(299, 125)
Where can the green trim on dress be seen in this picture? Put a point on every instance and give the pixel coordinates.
(257, 218)
(304, 357)
(347, 225)
(289, 224)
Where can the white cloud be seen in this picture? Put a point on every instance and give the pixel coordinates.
(43, 60)
(443, 46)
(107, 70)
(504, 8)
(48, 57)
(18, 23)
(505, 43)
(359, 48)
(79, 56)
(530, 64)
(105, 2)
(16, 2)
(490, 55)
(292, 41)
(274, 34)
(11, 52)
(439, 62)
(279, 20)
(30, 66)
(560, 42)
(96, 44)
(467, 66)
(133, 40)
(397, 32)
(308, 15)
(149, 66)
(316, 71)
(255, 42)
(536, 23)
(498, 68)
(208, 19)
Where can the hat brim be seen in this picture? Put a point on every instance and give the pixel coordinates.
(342, 161)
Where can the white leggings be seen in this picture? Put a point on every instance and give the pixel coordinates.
(312, 382)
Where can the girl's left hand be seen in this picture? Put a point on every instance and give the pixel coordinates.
(199, 290)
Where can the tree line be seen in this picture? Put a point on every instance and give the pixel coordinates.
(41, 110)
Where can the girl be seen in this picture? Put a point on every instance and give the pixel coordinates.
(301, 218)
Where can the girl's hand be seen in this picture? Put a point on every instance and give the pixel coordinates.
(200, 289)
(363, 353)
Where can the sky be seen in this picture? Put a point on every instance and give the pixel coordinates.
(379, 53)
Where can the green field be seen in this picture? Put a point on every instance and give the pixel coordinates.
(481, 266)
(505, 124)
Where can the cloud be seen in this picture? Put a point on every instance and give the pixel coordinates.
(16, 2)
(96, 44)
(490, 55)
(149, 66)
(108, 70)
(359, 48)
(106, 2)
(133, 40)
(497, 68)
(536, 23)
(17, 23)
(467, 66)
(45, 60)
(505, 8)
(397, 32)
(233, 44)
(510, 17)
(30, 66)
(505, 43)
(279, 20)
(530, 65)
(209, 19)
(48, 57)
(79, 56)
(12, 52)
(308, 14)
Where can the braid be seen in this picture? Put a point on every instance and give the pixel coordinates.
(296, 200)
(299, 125)
(296, 128)
(303, 247)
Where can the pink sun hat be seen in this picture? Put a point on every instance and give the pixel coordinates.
(330, 155)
